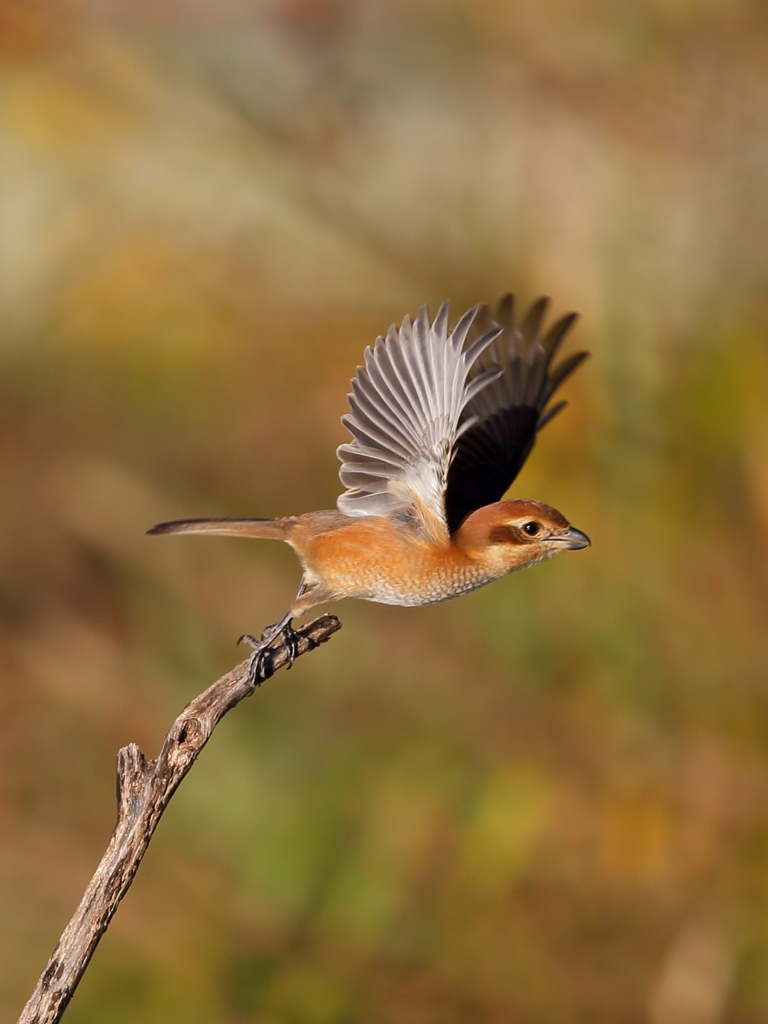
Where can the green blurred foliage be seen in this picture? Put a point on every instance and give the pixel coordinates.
(545, 803)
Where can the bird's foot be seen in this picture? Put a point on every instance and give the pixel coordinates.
(283, 630)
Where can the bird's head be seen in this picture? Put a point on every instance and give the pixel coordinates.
(510, 535)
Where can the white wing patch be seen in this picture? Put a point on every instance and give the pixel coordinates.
(406, 406)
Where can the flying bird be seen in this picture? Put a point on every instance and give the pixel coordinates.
(441, 423)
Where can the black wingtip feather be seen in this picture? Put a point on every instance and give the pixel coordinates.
(507, 414)
(550, 414)
(532, 321)
(554, 336)
(505, 310)
(565, 369)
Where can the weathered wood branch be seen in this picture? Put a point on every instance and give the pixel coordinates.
(144, 789)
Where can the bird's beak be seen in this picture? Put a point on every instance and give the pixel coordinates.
(572, 539)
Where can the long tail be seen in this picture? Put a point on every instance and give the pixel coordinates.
(270, 529)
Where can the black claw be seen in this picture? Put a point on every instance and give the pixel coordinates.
(290, 639)
(255, 672)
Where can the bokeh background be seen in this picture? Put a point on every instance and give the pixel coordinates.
(546, 803)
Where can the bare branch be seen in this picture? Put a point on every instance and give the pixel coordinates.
(144, 789)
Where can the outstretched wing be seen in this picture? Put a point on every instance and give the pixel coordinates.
(406, 416)
(501, 420)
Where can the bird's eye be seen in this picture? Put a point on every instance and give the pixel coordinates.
(531, 528)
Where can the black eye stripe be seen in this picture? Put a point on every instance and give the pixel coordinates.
(507, 533)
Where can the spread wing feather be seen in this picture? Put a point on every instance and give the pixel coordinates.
(406, 415)
(500, 422)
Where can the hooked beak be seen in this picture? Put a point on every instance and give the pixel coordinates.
(572, 539)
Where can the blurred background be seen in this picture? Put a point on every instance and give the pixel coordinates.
(546, 803)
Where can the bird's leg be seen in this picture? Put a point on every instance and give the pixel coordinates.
(283, 629)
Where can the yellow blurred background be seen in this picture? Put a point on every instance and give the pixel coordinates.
(546, 803)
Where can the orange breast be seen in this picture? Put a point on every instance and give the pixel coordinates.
(376, 559)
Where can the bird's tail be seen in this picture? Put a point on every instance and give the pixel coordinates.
(269, 529)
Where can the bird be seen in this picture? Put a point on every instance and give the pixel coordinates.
(441, 421)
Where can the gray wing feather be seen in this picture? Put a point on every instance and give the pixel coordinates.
(405, 416)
